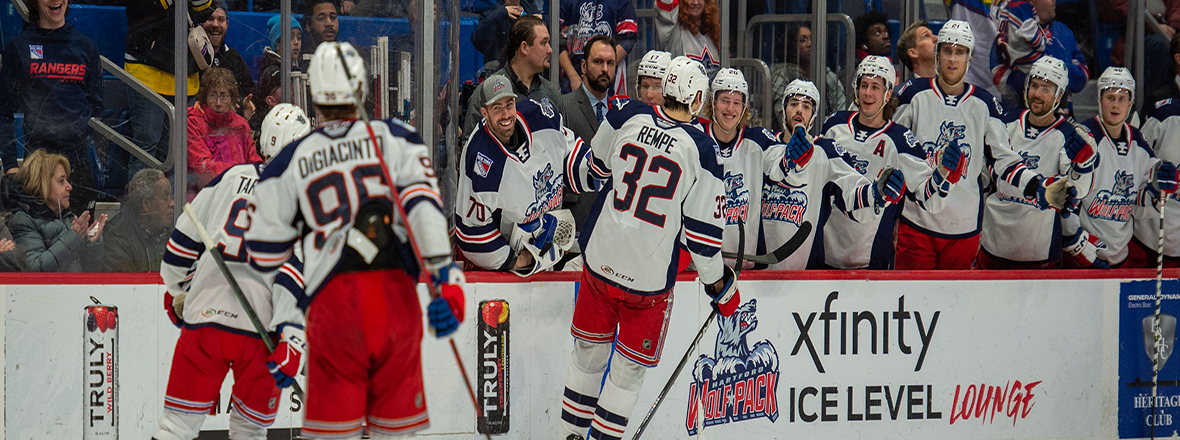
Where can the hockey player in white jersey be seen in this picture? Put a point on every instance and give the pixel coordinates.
(944, 111)
(217, 335)
(1128, 174)
(1162, 132)
(745, 152)
(799, 184)
(330, 194)
(1016, 233)
(650, 77)
(662, 195)
(514, 167)
(874, 143)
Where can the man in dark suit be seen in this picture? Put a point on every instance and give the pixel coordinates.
(1172, 88)
(583, 109)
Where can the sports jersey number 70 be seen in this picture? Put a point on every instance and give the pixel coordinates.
(631, 180)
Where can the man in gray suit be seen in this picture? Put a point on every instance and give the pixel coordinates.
(583, 109)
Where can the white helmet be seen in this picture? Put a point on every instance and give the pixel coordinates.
(655, 64)
(685, 79)
(283, 124)
(1116, 77)
(1049, 69)
(802, 87)
(958, 32)
(330, 83)
(874, 65)
(730, 80)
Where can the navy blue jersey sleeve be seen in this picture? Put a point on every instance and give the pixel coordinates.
(912, 87)
(838, 118)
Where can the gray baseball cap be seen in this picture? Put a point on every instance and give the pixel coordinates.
(494, 88)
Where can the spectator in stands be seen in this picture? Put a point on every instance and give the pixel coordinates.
(229, 58)
(915, 49)
(693, 30)
(1026, 32)
(649, 86)
(267, 94)
(528, 41)
(139, 233)
(218, 138)
(582, 20)
(55, 240)
(322, 22)
(149, 58)
(798, 66)
(872, 36)
(1171, 89)
(12, 256)
(376, 8)
(491, 33)
(582, 110)
(51, 74)
(1155, 46)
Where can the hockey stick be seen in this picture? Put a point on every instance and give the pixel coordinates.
(360, 109)
(782, 252)
(211, 248)
(1155, 322)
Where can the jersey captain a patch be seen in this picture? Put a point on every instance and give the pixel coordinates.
(1117, 202)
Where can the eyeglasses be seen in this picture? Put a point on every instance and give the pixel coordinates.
(214, 97)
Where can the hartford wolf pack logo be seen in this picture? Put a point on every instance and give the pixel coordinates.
(547, 186)
(783, 203)
(1030, 160)
(737, 198)
(739, 382)
(1116, 203)
(949, 133)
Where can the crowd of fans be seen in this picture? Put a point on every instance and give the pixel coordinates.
(50, 222)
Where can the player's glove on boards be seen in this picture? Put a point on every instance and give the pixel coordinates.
(726, 300)
(799, 151)
(284, 362)
(889, 187)
(174, 305)
(1081, 248)
(445, 312)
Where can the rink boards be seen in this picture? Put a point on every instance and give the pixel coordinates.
(857, 357)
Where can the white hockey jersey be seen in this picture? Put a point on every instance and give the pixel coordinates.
(790, 198)
(500, 187)
(665, 192)
(314, 187)
(1126, 165)
(849, 244)
(971, 120)
(1014, 229)
(743, 161)
(223, 207)
(678, 40)
(1162, 132)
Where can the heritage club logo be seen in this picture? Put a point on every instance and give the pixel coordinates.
(738, 383)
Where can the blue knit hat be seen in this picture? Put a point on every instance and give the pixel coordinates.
(274, 32)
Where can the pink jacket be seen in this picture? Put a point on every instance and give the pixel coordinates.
(217, 141)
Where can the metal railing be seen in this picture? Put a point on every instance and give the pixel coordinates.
(761, 94)
(139, 87)
(753, 38)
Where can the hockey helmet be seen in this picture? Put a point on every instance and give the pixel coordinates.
(655, 64)
(730, 80)
(684, 80)
(874, 65)
(1116, 78)
(337, 75)
(283, 124)
(957, 32)
(1049, 69)
(803, 88)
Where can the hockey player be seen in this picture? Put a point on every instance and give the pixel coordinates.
(662, 195)
(330, 190)
(514, 167)
(219, 336)
(798, 185)
(1016, 234)
(650, 75)
(944, 111)
(874, 143)
(1162, 132)
(1127, 175)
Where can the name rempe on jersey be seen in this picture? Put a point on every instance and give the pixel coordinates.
(656, 138)
(343, 150)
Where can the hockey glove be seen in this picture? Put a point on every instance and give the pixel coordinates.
(725, 301)
(889, 187)
(799, 150)
(1082, 250)
(1080, 148)
(284, 362)
(174, 305)
(446, 311)
(1047, 193)
(1166, 177)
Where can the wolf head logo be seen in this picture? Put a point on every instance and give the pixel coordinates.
(1030, 160)
(1123, 182)
(543, 182)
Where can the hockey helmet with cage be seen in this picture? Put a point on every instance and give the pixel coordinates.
(730, 80)
(330, 82)
(282, 124)
(958, 32)
(1049, 69)
(684, 80)
(1116, 78)
(874, 65)
(654, 64)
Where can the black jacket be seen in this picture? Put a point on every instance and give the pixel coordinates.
(228, 58)
(149, 31)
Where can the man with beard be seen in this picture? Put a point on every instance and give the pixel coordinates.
(227, 57)
(322, 22)
(514, 168)
(582, 110)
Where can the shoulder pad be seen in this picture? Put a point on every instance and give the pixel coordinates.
(994, 108)
(1095, 128)
(538, 114)
(618, 116)
(1140, 141)
(483, 161)
(839, 118)
(912, 87)
(1166, 108)
(761, 136)
(708, 152)
(1012, 115)
(832, 149)
(281, 161)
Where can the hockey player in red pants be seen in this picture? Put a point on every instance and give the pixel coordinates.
(217, 335)
(330, 192)
(631, 246)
